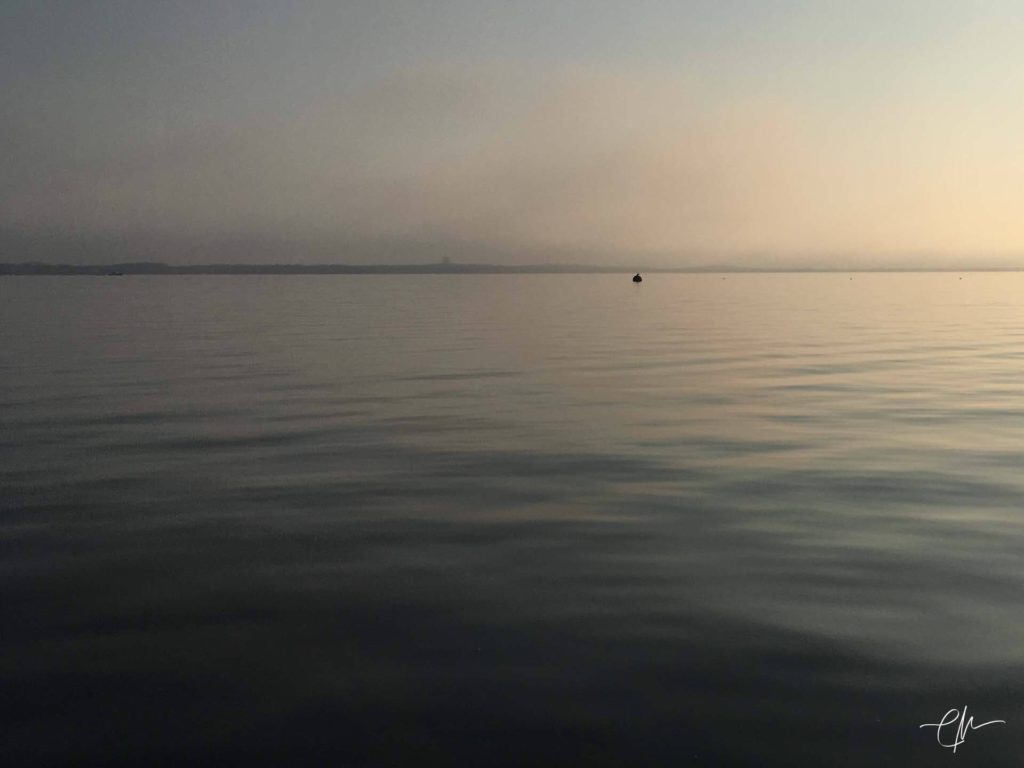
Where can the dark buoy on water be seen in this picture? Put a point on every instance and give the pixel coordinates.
(637, 278)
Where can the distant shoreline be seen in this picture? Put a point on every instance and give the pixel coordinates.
(155, 268)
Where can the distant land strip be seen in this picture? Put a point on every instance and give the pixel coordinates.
(157, 268)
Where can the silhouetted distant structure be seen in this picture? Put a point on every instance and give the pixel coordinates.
(637, 278)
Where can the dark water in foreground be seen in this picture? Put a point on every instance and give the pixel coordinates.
(511, 520)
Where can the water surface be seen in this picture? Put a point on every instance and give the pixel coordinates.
(511, 520)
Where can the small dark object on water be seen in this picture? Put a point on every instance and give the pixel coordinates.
(637, 278)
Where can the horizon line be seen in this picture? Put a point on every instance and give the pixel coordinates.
(162, 268)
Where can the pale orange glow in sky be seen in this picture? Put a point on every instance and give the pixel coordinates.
(754, 133)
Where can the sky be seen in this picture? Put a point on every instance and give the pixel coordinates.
(760, 132)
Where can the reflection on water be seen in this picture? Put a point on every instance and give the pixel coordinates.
(486, 520)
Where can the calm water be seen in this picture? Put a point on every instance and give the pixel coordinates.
(511, 520)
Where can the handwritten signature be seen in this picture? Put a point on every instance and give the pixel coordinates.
(963, 725)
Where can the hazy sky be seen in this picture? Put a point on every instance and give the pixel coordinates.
(515, 131)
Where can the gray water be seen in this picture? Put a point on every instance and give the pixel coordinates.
(511, 520)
